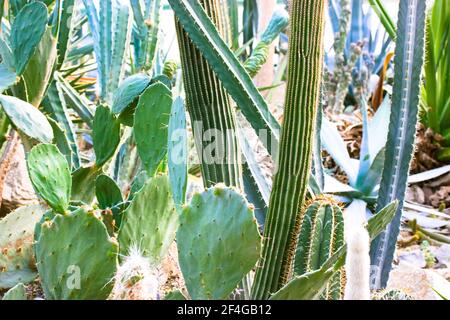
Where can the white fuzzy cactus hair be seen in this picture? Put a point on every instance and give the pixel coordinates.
(135, 278)
(357, 262)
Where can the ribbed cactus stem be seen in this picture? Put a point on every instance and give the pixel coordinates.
(321, 235)
(289, 188)
(210, 108)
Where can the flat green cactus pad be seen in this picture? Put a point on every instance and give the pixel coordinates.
(50, 175)
(107, 192)
(76, 258)
(16, 245)
(177, 152)
(151, 125)
(128, 91)
(83, 183)
(151, 221)
(218, 242)
(16, 293)
(105, 135)
(27, 119)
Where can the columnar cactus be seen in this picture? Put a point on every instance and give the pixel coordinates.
(321, 235)
(209, 107)
(289, 188)
(402, 129)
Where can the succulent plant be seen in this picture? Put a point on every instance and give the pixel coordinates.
(321, 235)
(17, 263)
(50, 176)
(75, 256)
(214, 258)
(151, 221)
(294, 163)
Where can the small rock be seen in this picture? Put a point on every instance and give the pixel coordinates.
(418, 283)
(17, 189)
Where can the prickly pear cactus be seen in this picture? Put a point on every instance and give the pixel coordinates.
(75, 257)
(151, 125)
(18, 292)
(151, 221)
(321, 235)
(105, 134)
(27, 119)
(128, 92)
(83, 183)
(218, 242)
(50, 175)
(107, 192)
(16, 245)
(177, 152)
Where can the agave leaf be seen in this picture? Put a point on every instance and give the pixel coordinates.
(335, 146)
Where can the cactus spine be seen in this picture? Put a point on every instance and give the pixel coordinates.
(305, 70)
(321, 235)
(209, 106)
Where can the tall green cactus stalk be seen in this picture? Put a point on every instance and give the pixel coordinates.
(402, 129)
(289, 188)
(210, 108)
(321, 235)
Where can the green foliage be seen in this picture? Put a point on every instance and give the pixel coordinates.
(151, 125)
(27, 119)
(55, 104)
(210, 106)
(39, 70)
(75, 257)
(150, 222)
(145, 37)
(50, 175)
(218, 242)
(83, 183)
(16, 241)
(61, 141)
(128, 92)
(107, 192)
(105, 134)
(436, 88)
(364, 175)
